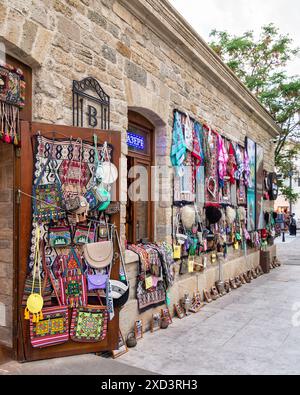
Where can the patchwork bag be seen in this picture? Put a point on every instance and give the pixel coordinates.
(73, 283)
(60, 236)
(89, 324)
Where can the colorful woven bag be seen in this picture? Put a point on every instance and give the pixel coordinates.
(52, 330)
(73, 283)
(60, 236)
(89, 324)
(47, 199)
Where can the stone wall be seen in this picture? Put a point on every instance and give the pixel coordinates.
(146, 58)
(6, 243)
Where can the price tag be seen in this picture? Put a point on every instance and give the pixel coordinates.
(191, 264)
(177, 252)
(149, 282)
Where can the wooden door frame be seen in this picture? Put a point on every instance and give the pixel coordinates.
(24, 166)
(140, 122)
(25, 115)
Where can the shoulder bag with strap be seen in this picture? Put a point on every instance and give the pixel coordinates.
(53, 329)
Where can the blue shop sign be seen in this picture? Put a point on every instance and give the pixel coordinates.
(135, 141)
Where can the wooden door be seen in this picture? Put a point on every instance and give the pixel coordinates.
(24, 169)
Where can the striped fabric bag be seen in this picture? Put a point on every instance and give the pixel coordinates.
(52, 330)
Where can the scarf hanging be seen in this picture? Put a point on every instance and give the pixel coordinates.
(12, 99)
(223, 160)
(178, 151)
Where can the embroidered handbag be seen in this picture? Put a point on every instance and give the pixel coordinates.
(60, 236)
(99, 255)
(53, 329)
(89, 324)
(73, 283)
(97, 281)
(47, 199)
(84, 235)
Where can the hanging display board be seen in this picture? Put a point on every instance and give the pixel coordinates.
(43, 144)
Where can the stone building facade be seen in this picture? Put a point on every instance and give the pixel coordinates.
(147, 59)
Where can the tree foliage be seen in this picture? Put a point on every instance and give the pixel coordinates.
(261, 64)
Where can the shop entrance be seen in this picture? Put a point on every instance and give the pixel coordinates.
(139, 215)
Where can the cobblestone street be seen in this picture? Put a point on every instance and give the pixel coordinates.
(250, 331)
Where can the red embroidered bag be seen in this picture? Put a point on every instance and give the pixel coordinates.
(73, 283)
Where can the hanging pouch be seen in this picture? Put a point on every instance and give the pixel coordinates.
(48, 203)
(89, 324)
(60, 236)
(99, 255)
(84, 235)
(97, 281)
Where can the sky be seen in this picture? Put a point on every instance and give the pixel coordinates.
(238, 16)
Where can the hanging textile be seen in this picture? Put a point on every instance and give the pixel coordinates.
(211, 168)
(12, 99)
(222, 160)
(151, 291)
(231, 164)
(179, 149)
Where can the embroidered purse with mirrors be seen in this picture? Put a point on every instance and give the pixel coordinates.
(48, 203)
(89, 324)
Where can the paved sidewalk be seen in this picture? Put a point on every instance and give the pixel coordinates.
(78, 365)
(248, 332)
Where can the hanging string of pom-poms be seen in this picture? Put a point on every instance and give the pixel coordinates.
(12, 100)
(10, 123)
